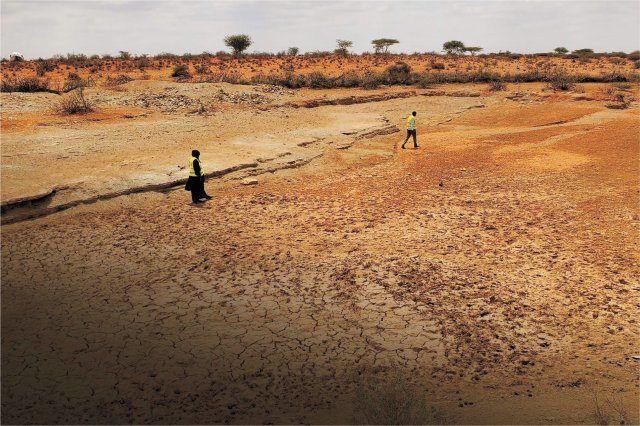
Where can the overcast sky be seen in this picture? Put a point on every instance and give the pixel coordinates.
(42, 28)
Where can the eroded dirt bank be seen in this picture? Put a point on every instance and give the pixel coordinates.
(496, 267)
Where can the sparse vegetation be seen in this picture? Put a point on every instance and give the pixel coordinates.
(392, 401)
(74, 103)
(238, 42)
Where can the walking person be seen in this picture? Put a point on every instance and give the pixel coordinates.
(411, 130)
(195, 183)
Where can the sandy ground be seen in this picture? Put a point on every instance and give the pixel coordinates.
(495, 267)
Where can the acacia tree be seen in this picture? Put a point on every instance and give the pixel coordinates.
(238, 42)
(343, 47)
(473, 50)
(561, 50)
(293, 51)
(453, 47)
(381, 45)
(583, 52)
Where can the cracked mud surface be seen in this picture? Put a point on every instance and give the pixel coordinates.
(496, 266)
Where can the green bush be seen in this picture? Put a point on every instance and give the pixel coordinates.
(437, 65)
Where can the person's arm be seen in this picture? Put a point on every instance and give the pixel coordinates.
(196, 167)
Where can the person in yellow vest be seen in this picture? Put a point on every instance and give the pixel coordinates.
(195, 183)
(411, 130)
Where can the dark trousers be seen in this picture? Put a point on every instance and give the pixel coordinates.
(196, 186)
(409, 134)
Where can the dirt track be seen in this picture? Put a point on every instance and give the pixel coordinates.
(496, 266)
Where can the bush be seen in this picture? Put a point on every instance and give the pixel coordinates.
(181, 71)
(399, 73)
(561, 82)
(497, 86)
(43, 67)
(372, 81)
(317, 80)
(116, 81)
(202, 69)
(74, 81)
(392, 401)
(74, 103)
(634, 56)
(437, 65)
(349, 79)
(26, 84)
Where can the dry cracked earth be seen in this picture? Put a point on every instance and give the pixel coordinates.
(494, 270)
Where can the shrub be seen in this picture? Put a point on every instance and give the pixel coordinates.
(497, 86)
(437, 65)
(181, 71)
(43, 67)
(143, 63)
(74, 103)
(202, 69)
(349, 79)
(26, 84)
(317, 80)
(372, 81)
(74, 81)
(392, 401)
(634, 56)
(637, 64)
(116, 81)
(399, 73)
(561, 82)
(293, 51)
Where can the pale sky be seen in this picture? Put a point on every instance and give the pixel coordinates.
(42, 28)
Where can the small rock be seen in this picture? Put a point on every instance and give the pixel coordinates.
(249, 181)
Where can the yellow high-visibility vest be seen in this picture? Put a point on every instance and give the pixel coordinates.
(192, 171)
(411, 122)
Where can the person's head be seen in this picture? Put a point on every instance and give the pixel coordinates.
(413, 113)
(195, 153)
